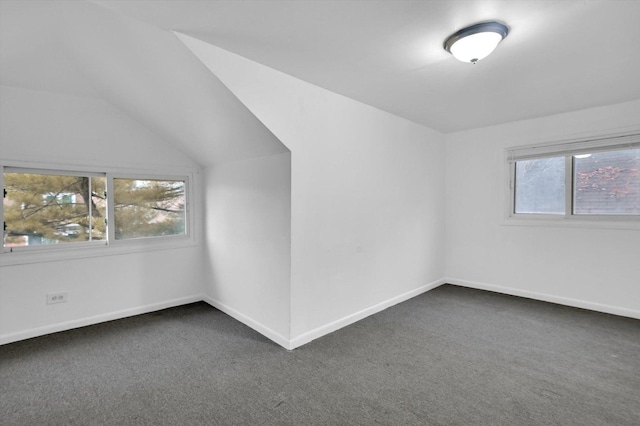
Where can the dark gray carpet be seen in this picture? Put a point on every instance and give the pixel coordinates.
(452, 356)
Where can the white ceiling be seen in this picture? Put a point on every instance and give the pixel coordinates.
(560, 55)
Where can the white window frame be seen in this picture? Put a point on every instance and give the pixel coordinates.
(110, 246)
(566, 149)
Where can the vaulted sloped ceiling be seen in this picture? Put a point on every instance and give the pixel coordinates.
(82, 49)
(560, 56)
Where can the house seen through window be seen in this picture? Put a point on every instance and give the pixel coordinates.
(599, 178)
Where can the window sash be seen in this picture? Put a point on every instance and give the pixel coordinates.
(113, 214)
(58, 242)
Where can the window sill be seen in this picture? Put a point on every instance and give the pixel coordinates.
(24, 257)
(572, 222)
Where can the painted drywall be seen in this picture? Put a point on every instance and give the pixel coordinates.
(64, 130)
(367, 194)
(588, 267)
(99, 289)
(144, 71)
(367, 208)
(248, 242)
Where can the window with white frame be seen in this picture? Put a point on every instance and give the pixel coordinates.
(51, 209)
(587, 179)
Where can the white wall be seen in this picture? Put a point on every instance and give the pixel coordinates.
(367, 203)
(587, 267)
(61, 128)
(248, 242)
(68, 130)
(367, 224)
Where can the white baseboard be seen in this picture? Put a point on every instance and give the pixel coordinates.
(250, 322)
(357, 316)
(576, 303)
(82, 322)
(322, 330)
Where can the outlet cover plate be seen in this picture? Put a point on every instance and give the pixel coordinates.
(57, 298)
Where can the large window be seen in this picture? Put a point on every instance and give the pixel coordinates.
(589, 179)
(47, 209)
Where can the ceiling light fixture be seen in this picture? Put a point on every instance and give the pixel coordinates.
(476, 42)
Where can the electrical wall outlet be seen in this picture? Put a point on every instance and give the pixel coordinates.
(57, 298)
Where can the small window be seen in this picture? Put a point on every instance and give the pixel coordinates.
(589, 179)
(52, 208)
(149, 208)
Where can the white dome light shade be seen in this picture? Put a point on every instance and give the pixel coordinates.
(475, 47)
(476, 42)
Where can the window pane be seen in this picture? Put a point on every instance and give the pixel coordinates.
(539, 186)
(51, 209)
(149, 208)
(607, 183)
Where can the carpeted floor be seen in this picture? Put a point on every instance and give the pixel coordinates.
(452, 356)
